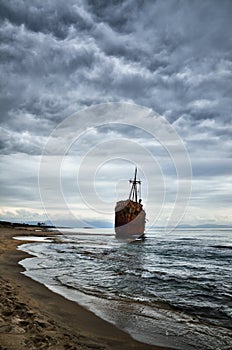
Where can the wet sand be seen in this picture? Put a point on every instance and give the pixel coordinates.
(32, 317)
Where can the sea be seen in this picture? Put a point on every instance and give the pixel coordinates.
(173, 289)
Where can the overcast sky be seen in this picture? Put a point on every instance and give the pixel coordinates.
(172, 57)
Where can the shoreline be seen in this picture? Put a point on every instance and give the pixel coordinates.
(34, 317)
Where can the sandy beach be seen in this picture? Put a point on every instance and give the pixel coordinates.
(32, 317)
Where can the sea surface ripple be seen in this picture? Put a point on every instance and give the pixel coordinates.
(172, 289)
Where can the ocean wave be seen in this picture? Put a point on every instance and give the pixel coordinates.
(190, 277)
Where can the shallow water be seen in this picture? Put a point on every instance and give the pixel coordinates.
(172, 289)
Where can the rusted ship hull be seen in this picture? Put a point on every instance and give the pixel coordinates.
(130, 220)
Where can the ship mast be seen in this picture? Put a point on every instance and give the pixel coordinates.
(134, 189)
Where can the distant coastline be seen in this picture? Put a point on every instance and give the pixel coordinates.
(25, 225)
(49, 225)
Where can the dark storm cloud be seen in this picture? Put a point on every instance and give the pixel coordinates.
(50, 17)
(57, 57)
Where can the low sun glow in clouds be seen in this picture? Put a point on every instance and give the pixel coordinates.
(171, 57)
